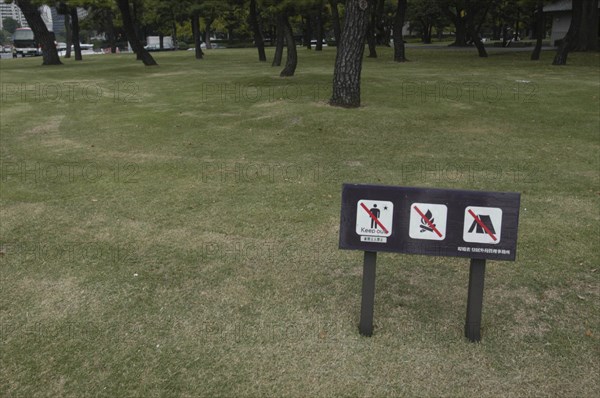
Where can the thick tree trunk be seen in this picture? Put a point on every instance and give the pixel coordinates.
(539, 30)
(110, 31)
(69, 34)
(335, 19)
(258, 37)
(399, 48)
(76, 40)
(195, 20)
(348, 61)
(587, 39)
(319, 28)
(132, 37)
(460, 39)
(292, 56)
(161, 41)
(40, 31)
(280, 39)
(570, 40)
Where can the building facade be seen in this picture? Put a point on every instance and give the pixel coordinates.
(12, 11)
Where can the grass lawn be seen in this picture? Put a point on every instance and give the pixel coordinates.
(173, 231)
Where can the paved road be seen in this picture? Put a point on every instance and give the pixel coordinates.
(489, 49)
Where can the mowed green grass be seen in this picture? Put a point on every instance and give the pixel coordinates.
(173, 231)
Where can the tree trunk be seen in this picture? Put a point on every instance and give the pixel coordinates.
(587, 39)
(129, 28)
(136, 29)
(76, 40)
(307, 32)
(371, 35)
(335, 18)
(69, 35)
(495, 32)
(474, 33)
(460, 39)
(161, 41)
(110, 31)
(319, 26)
(570, 39)
(440, 32)
(208, 23)
(539, 30)
(197, 39)
(279, 43)
(40, 32)
(477, 40)
(348, 61)
(475, 28)
(380, 28)
(174, 30)
(292, 56)
(426, 31)
(258, 37)
(399, 48)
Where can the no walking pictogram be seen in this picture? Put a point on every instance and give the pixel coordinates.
(374, 218)
(482, 225)
(428, 221)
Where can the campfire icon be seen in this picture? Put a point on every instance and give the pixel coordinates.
(425, 226)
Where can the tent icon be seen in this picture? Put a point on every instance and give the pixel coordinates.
(487, 221)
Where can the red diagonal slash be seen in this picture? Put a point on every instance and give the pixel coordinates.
(486, 229)
(374, 218)
(428, 221)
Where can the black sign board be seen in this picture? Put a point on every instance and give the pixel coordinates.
(438, 222)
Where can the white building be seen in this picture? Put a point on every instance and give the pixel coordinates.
(11, 10)
(46, 14)
(560, 12)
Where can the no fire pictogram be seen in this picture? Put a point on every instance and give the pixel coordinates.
(428, 221)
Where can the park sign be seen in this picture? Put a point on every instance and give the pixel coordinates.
(437, 222)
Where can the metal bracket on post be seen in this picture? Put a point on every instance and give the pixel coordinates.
(368, 294)
(475, 300)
